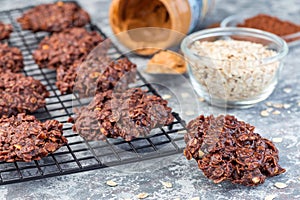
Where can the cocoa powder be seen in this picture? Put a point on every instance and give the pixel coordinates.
(271, 24)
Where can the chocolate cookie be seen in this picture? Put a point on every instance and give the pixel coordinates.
(24, 138)
(20, 94)
(5, 30)
(228, 149)
(66, 47)
(128, 114)
(11, 58)
(54, 17)
(96, 75)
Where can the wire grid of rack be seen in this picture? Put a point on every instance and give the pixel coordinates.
(80, 155)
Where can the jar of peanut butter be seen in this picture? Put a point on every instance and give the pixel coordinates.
(147, 25)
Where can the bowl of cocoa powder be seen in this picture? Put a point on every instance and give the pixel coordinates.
(282, 26)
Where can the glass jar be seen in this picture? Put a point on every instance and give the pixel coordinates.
(180, 16)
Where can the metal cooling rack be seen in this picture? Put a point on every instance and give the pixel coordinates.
(80, 155)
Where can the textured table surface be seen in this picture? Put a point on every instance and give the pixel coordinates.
(187, 181)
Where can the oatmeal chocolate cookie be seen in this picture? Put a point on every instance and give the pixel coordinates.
(228, 149)
(20, 94)
(128, 114)
(54, 17)
(64, 48)
(11, 59)
(5, 30)
(96, 75)
(24, 138)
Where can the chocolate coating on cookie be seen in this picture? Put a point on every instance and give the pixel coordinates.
(228, 149)
(129, 114)
(54, 17)
(96, 75)
(66, 47)
(5, 30)
(24, 138)
(20, 94)
(11, 59)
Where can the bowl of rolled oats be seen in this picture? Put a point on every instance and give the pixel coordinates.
(234, 67)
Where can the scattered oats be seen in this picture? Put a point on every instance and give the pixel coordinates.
(189, 113)
(270, 197)
(201, 153)
(181, 132)
(277, 140)
(111, 183)
(299, 103)
(166, 184)
(185, 95)
(280, 185)
(142, 195)
(269, 109)
(286, 106)
(276, 112)
(166, 96)
(201, 99)
(278, 105)
(195, 198)
(287, 90)
(269, 103)
(264, 113)
(255, 180)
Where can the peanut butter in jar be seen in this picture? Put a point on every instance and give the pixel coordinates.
(170, 20)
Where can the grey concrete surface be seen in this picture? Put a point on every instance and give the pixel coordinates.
(187, 181)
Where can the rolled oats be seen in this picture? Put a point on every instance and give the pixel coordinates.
(264, 113)
(166, 184)
(278, 105)
(276, 112)
(287, 90)
(111, 183)
(232, 69)
(142, 195)
(270, 197)
(286, 106)
(280, 185)
(277, 140)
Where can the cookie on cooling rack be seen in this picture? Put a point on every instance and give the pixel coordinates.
(5, 30)
(11, 58)
(129, 114)
(228, 149)
(54, 17)
(24, 138)
(19, 93)
(96, 75)
(66, 47)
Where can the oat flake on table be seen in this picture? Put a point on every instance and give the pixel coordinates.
(142, 195)
(111, 183)
(280, 185)
(270, 197)
(166, 184)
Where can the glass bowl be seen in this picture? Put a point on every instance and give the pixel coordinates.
(233, 20)
(234, 83)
